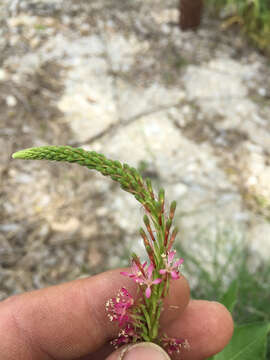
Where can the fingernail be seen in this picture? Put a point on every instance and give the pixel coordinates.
(144, 351)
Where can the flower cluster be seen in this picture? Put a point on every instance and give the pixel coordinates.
(173, 345)
(119, 306)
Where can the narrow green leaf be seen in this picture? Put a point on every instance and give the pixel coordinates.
(146, 315)
(229, 299)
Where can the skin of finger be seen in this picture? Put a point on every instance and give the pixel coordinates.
(69, 321)
(208, 327)
(176, 300)
(102, 353)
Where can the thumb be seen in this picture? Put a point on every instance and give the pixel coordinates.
(142, 351)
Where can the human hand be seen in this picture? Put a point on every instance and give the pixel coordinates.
(69, 322)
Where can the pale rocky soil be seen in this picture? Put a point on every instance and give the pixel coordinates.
(191, 110)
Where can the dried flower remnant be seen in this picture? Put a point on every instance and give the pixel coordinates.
(138, 319)
(173, 345)
(125, 336)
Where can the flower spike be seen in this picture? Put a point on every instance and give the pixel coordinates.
(137, 318)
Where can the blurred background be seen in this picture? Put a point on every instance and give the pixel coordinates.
(188, 105)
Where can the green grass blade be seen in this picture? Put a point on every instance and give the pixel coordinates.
(229, 299)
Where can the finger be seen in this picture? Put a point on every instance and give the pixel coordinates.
(176, 300)
(142, 351)
(69, 321)
(101, 353)
(208, 327)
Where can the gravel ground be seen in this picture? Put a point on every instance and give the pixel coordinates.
(191, 110)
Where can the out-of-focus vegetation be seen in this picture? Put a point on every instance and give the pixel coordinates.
(223, 259)
(252, 15)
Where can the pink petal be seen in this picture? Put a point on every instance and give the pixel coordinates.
(179, 262)
(148, 292)
(125, 292)
(150, 270)
(175, 275)
(157, 281)
(163, 271)
(135, 269)
(171, 256)
(126, 273)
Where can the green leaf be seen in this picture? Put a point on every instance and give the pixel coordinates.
(248, 343)
(229, 299)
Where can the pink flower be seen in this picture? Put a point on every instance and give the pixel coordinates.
(170, 266)
(136, 273)
(143, 278)
(118, 307)
(148, 281)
